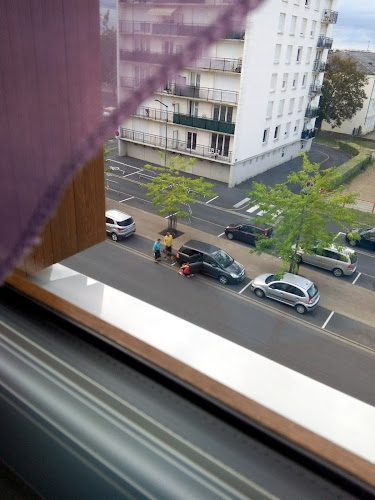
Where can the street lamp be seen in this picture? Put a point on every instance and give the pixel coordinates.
(166, 132)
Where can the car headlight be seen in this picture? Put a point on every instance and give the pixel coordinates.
(234, 275)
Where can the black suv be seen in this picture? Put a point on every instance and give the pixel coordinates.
(248, 232)
(367, 238)
(215, 262)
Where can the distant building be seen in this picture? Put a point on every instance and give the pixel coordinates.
(363, 121)
(247, 106)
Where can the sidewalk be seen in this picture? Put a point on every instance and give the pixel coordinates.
(336, 295)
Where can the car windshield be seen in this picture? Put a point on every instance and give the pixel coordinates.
(312, 291)
(269, 279)
(223, 258)
(125, 222)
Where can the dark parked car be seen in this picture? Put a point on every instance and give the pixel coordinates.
(215, 262)
(248, 232)
(367, 238)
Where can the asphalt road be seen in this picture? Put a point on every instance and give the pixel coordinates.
(337, 356)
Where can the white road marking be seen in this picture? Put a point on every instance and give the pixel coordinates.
(122, 163)
(173, 264)
(212, 199)
(326, 321)
(221, 234)
(252, 209)
(242, 202)
(261, 212)
(127, 199)
(167, 217)
(244, 288)
(355, 279)
(128, 175)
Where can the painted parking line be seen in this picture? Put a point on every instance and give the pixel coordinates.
(127, 199)
(221, 234)
(326, 321)
(212, 199)
(355, 279)
(132, 173)
(122, 163)
(167, 217)
(252, 209)
(242, 202)
(244, 288)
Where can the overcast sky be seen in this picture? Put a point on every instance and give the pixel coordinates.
(355, 27)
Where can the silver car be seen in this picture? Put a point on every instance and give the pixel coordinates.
(339, 261)
(119, 224)
(293, 290)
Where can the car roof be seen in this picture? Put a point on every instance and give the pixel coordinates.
(295, 279)
(200, 246)
(251, 223)
(117, 215)
(343, 250)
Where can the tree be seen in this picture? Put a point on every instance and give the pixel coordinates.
(301, 218)
(342, 93)
(108, 53)
(174, 192)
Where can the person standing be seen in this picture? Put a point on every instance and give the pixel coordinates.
(168, 242)
(156, 249)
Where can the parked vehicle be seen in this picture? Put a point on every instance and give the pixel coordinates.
(248, 232)
(119, 224)
(367, 238)
(293, 290)
(339, 261)
(216, 262)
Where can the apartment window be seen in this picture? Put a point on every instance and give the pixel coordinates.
(220, 144)
(276, 58)
(313, 29)
(287, 129)
(281, 107)
(273, 82)
(300, 103)
(174, 139)
(265, 135)
(291, 105)
(303, 26)
(296, 127)
(191, 140)
(223, 113)
(193, 108)
(304, 80)
(299, 54)
(195, 79)
(276, 133)
(167, 47)
(308, 55)
(284, 84)
(281, 23)
(293, 23)
(269, 109)
(295, 80)
(141, 45)
(289, 50)
(307, 3)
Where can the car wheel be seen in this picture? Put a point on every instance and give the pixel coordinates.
(259, 293)
(353, 243)
(299, 259)
(230, 236)
(114, 236)
(223, 280)
(300, 309)
(337, 272)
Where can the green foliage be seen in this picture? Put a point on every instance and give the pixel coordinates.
(345, 172)
(342, 94)
(350, 148)
(301, 218)
(108, 52)
(174, 192)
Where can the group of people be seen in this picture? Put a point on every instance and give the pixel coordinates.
(168, 242)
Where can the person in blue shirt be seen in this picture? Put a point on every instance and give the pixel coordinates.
(157, 255)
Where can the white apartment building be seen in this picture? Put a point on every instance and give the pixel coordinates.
(247, 105)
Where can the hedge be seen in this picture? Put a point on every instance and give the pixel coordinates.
(349, 147)
(345, 172)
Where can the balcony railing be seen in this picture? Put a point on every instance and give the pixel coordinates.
(329, 16)
(311, 112)
(307, 134)
(176, 145)
(315, 89)
(205, 93)
(319, 67)
(324, 42)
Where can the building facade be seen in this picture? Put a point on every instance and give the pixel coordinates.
(248, 104)
(363, 122)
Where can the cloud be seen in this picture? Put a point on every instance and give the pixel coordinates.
(355, 26)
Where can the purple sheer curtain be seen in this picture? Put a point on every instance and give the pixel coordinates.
(51, 119)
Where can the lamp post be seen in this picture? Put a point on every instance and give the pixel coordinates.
(166, 131)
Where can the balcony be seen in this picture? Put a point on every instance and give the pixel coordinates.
(315, 90)
(329, 16)
(307, 135)
(319, 67)
(142, 56)
(324, 42)
(175, 145)
(204, 93)
(311, 112)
